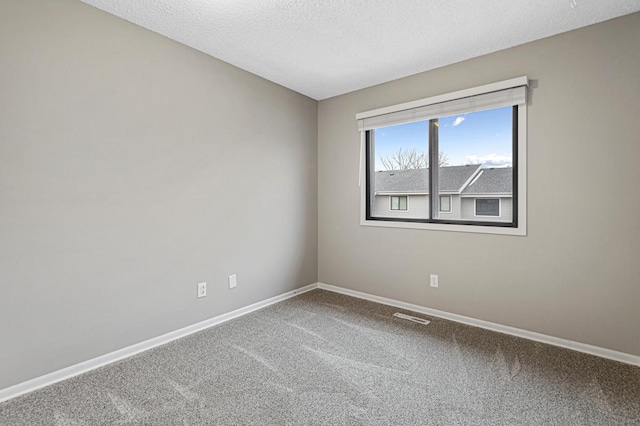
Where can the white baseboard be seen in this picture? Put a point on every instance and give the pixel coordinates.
(92, 364)
(83, 367)
(569, 344)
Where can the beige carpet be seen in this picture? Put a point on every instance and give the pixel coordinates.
(327, 359)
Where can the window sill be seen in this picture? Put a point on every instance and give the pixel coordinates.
(496, 230)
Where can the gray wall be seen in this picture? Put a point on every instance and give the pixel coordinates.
(576, 274)
(132, 168)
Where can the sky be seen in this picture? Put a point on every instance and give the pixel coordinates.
(482, 137)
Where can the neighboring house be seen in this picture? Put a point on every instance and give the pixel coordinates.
(466, 193)
(488, 196)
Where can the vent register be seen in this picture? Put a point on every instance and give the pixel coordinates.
(411, 318)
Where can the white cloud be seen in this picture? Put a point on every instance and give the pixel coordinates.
(490, 160)
(457, 121)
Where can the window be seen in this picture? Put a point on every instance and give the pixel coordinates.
(445, 203)
(476, 141)
(399, 202)
(488, 207)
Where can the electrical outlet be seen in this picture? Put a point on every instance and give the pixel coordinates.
(434, 280)
(232, 281)
(202, 290)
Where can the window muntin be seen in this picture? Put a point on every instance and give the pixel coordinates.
(445, 203)
(398, 202)
(487, 207)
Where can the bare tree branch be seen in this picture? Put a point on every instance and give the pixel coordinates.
(443, 159)
(411, 159)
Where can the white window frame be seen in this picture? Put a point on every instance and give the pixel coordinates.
(475, 206)
(391, 209)
(521, 229)
(450, 206)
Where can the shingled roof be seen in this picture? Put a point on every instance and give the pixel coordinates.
(450, 179)
(492, 181)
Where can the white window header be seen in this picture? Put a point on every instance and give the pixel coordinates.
(495, 95)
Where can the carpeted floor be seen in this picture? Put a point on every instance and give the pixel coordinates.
(326, 359)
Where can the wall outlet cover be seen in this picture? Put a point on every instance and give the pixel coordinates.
(202, 290)
(434, 280)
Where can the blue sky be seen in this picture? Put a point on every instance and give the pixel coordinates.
(474, 138)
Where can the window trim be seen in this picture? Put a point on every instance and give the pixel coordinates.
(475, 206)
(519, 179)
(478, 90)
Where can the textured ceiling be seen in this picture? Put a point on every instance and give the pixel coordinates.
(329, 47)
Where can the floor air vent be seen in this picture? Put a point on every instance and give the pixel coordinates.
(410, 318)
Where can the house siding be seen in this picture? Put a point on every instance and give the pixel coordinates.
(462, 208)
(455, 209)
(417, 207)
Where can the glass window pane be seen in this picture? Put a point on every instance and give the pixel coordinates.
(475, 161)
(394, 203)
(475, 153)
(398, 160)
(445, 203)
(403, 203)
(487, 207)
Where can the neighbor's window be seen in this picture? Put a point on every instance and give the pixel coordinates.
(445, 203)
(466, 145)
(399, 203)
(488, 207)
